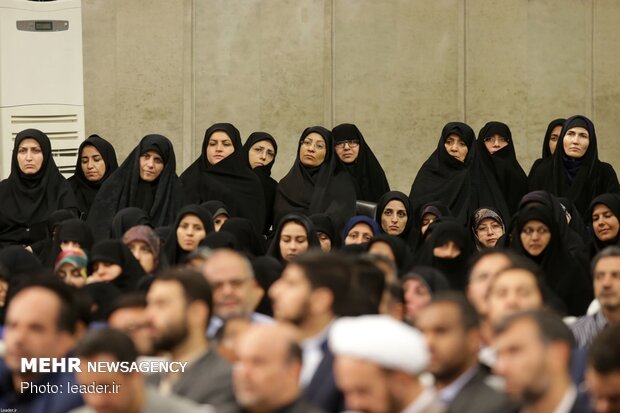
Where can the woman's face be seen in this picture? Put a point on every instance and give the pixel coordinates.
(448, 250)
(220, 146)
(312, 150)
(348, 150)
(106, 271)
(70, 245)
(326, 242)
(360, 233)
(29, 156)
(151, 166)
(553, 138)
(488, 232)
(427, 220)
(93, 165)
(495, 143)
(535, 236)
(382, 248)
(576, 142)
(293, 240)
(604, 222)
(394, 217)
(456, 147)
(143, 253)
(190, 232)
(261, 153)
(72, 275)
(417, 296)
(219, 220)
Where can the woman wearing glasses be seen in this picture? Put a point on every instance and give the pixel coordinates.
(537, 237)
(357, 159)
(498, 164)
(315, 182)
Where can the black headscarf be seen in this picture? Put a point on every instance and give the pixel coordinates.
(611, 201)
(28, 200)
(218, 240)
(546, 151)
(579, 180)
(323, 223)
(20, 263)
(267, 270)
(322, 189)
(216, 208)
(230, 180)
(85, 190)
(127, 218)
(501, 181)
(434, 280)
(161, 199)
(174, 252)
(74, 230)
(269, 184)
(400, 249)
(304, 221)
(367, 173)
(566, 276)
(42, 249)
(407, 234)
(115, 252)
(455, 269)
(444, 178)
(250, 241)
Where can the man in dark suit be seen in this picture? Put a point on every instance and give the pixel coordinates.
(311, 293)
(533, 356)
(179, 305)
(452, 330)
(267, 371)
(603, 372)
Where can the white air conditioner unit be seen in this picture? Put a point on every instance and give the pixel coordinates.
(41, 77)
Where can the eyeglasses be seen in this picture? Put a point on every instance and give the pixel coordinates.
(494, 139)
(308, 143)
(540, 230)
(489, 228)
(353, 143)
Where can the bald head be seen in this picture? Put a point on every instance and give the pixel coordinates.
(267, 370)
(231, 277)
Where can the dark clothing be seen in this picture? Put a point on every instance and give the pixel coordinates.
(322, 189)
(580, 180)
(322, 392)
(115, 252)
(366, 171)
(298, 406)
(443, 178)
(230, 180)
(173, 251)
(478, 397)
(504, 180)
(566, 276)
(29, 199)
(263, 173)
(611, 201)
(546, 151)
(313, 239)
(206, 381)
(45, 402)
(85, 190)
(161, 198)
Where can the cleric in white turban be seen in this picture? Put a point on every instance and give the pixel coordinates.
(378, 361)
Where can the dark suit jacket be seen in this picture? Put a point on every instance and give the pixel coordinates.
(298, 406)
(322, 392)
(478, 397)
(207, 381)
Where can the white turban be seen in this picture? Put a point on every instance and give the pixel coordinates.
(382, 340)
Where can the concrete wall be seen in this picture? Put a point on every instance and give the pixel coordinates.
(399, 69)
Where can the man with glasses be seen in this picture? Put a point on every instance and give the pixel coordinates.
(235, 291)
